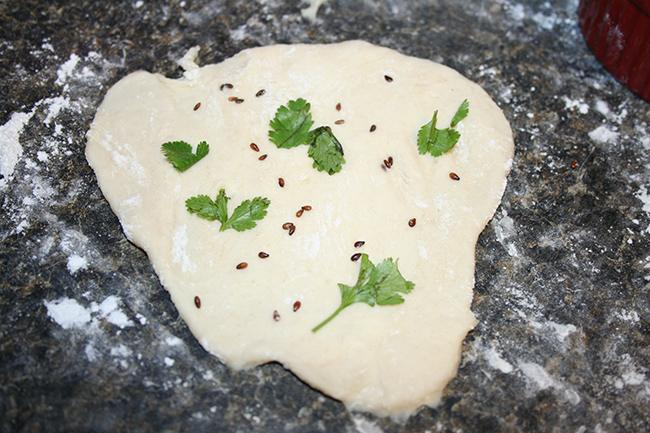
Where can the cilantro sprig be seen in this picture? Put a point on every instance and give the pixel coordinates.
(242, 218)
(438, 141)
(179, 153)
(380, 284)
(291, 128)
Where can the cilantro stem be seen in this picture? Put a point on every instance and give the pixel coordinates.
(326, 321)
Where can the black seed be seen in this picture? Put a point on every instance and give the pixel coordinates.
(299, 213)
(281, 182)
(359, 244)
(197, 302)
(197, 106)
(239, 101)
(338, 107)
(454, 176)
(242, 265)
(292, 230)
(276, 315)
(339, 122)
(296, 306)
(263, 255)
(306, 207)
(255, 147)
(263, 157)
(372, 128)
(226, 86)
(355, 257)
(412, 222)
(388, 78)
(260, 93)
(287, 225)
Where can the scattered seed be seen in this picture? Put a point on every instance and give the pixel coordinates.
(276, 315)
(255, 147)
(281, 182)
(292, 229)
(197, 302)
(388, 78)
(242, 265)
(355, 257)
(412, 222)
(232, 98)
(263, 157)
(287, 225)
(299, 213)
(226, 86)
(338, 107)
(260, 93)
(263, 255)
(574, 165)
(359, 244)
(339, 122)
(388, 162)
(306, 207)
(296, 306)
(197, 106)
(454, 176)
(239, 101)
(372, 128)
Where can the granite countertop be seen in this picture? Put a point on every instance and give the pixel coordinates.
(90, 341)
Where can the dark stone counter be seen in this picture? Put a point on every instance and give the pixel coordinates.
(90, 341)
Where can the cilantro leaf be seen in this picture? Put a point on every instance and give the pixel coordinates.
(179, 153)
(461, 113)
(291, 124)
(245, 215)
(242, 218)
(381, 285)
(325, 150)
(203, 206)
(438, 141)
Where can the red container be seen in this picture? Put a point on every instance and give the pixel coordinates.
(618, 32)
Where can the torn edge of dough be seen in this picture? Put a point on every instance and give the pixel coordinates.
(311, 11)
(188, 63)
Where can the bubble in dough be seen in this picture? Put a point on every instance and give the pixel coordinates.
(387, 360)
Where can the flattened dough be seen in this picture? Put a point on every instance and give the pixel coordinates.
(387, 360)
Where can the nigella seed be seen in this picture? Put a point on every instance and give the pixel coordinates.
(197, 302)
(255, 147)
(239, 101)
(388, 78)
(299, 213)
(263, 255)
(338, 107)
(242, 265)
(388, 162)
(373, 128)
(281, 182)
(359, 244)
(260, 93)
(287, 225)
(412, 222)
(454, 176)
(292, 229)
(197, 106)
(263, 157)
(296, 306)
(355, 257)
(307, 208)
(276, 315)
(225, 86)
(232, 98)
(339, 122)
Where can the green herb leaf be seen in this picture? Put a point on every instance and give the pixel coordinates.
(438, 141)
(326, 151)
(179, 153)
(291, 124)
(381, 285)
(243, 217)
(461, 113)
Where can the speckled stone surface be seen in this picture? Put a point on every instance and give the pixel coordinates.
(90, 341)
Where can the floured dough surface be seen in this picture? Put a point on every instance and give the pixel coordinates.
(388, 360)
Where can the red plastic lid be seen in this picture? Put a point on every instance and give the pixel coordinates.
(618, 32)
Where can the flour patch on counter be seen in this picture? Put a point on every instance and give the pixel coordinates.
(541, 380)
(604, 134)
(10, 147)
(67, 313)
(575, 105)
(76, 262)
(363, 425)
